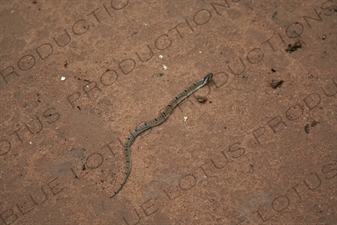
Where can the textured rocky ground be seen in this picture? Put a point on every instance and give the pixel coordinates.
(77, 76)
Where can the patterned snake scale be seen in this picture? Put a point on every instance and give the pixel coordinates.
(155, 122)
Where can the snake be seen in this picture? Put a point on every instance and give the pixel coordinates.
(163, 115)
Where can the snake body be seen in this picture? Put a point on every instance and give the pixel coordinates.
(155, 122)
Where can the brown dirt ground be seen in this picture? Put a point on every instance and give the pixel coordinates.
(77, 76)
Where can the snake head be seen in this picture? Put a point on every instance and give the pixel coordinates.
(207, 78)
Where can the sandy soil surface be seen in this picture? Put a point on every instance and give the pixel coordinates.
(78, 76)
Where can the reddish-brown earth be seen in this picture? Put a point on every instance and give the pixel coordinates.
(77, 76)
